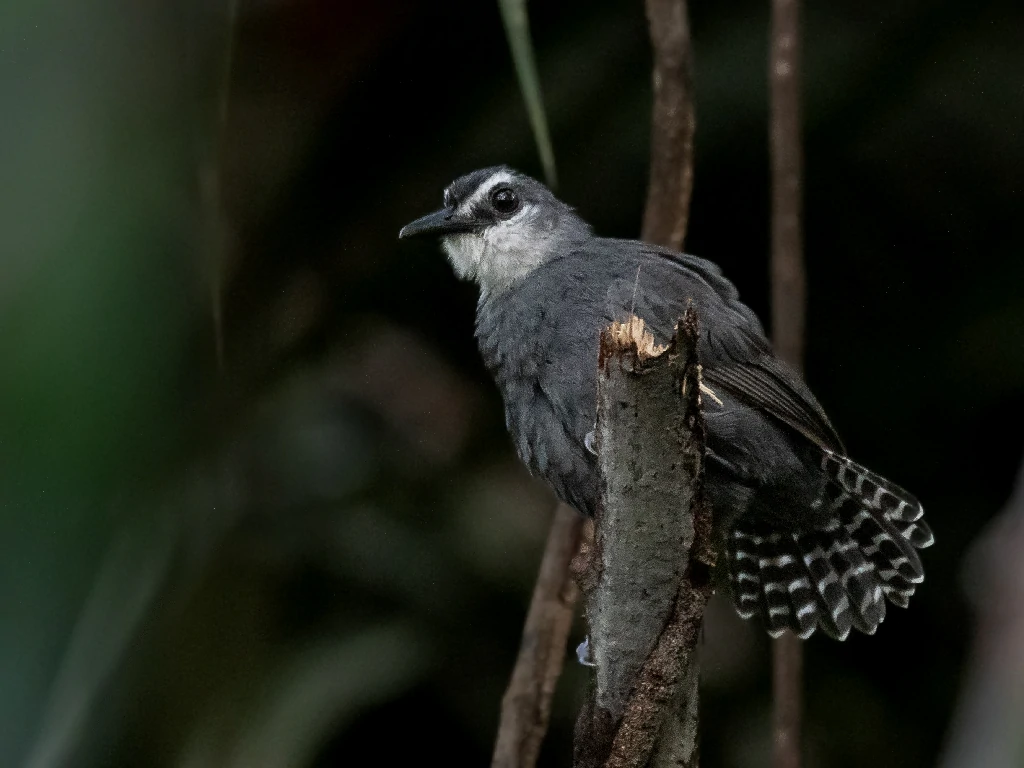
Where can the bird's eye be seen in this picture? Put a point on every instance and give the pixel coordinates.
(504, 200)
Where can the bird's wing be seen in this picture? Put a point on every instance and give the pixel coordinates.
(735, 354)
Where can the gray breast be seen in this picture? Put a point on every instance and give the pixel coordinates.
(539, 341)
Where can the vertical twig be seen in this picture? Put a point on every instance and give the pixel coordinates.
(526, 706)
(788, 301)
(788, 284)
(787, 675)
(672, 125)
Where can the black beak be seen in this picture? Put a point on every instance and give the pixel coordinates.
(441, 222)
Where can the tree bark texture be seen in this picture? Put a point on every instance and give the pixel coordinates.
(650, 564)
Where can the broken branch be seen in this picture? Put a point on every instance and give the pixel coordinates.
(652, 553)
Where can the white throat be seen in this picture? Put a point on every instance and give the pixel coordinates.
(503, 254)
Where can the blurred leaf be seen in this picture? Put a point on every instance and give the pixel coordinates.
(131, 576)
(513, 14)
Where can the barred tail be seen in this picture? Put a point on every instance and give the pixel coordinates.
(838, 575)
(876, 493)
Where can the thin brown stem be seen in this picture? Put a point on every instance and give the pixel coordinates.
(672, 125)
(526, 707)
(788, 282)
(788, 306)
(787, 672)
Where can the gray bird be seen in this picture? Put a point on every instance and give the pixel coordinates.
(810, 537)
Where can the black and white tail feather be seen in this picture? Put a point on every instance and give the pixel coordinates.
(838, 575)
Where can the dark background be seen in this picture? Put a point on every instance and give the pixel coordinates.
(316, 547)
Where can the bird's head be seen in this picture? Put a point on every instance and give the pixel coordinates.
(498, 225)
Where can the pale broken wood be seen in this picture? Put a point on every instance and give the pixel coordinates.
(652, 553)
(634, 333)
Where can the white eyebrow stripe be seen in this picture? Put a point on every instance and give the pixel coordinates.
(501, 177)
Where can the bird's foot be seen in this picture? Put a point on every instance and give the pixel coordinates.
(583, 654)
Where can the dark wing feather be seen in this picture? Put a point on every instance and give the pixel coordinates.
(768, 384)
(735, 353)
